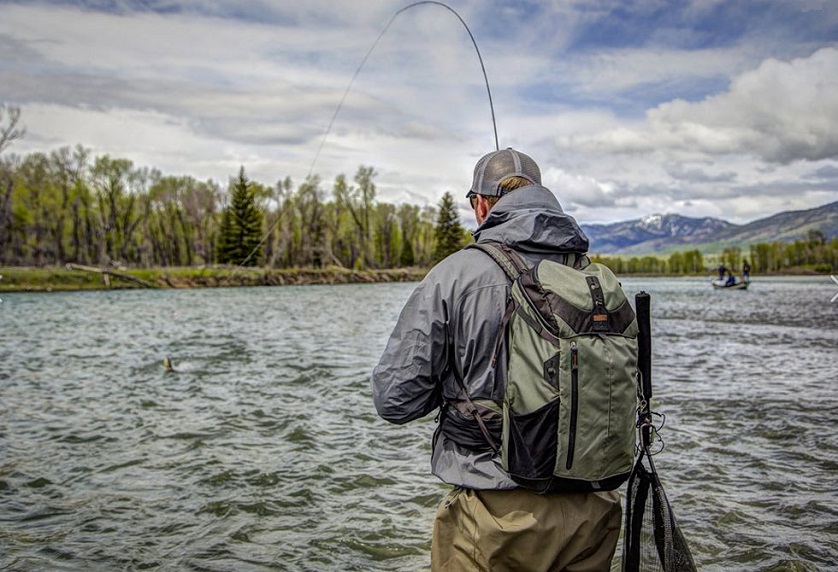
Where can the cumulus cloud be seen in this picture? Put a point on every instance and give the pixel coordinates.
(781, 111)
(657, 115)
(575, 190)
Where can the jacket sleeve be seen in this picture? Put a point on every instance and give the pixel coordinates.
(405, 383)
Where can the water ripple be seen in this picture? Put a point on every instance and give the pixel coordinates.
(262, 451)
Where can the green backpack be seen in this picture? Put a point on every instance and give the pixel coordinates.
(570, 407)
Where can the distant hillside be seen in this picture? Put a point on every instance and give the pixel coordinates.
(655, 232)
(668, 233)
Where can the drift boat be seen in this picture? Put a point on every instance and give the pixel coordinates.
(725, 285)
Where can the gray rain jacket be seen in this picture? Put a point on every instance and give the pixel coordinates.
(413, 378)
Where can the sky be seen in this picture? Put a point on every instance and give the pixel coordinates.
(721, 108)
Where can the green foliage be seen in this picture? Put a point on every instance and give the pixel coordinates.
(814, 253)
(693, 262)
(67, 206)
(406, 257)
(409, 223)
(179, 215)
(633, 265)
(689, 262)
(358, 201)
(102, 211)
(241, 226)
(448, 233)
(732, 258)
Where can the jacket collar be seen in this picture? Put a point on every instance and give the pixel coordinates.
(532, 220)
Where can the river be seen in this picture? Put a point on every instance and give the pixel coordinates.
(262, 450)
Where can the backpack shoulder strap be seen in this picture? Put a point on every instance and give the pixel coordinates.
(509, 260)
(580, 262)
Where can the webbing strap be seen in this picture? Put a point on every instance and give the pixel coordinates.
(581, 261)
(471, 408)
(538, 328)
(509, 260)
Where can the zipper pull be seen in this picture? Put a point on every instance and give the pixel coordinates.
(574, 357)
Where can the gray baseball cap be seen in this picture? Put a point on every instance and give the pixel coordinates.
(496, 166)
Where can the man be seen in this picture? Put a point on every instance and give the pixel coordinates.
(445, 344)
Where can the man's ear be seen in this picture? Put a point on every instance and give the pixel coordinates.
(482, 209)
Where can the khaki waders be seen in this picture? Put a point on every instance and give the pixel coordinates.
(519, 530)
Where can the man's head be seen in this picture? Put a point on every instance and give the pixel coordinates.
(498, 173)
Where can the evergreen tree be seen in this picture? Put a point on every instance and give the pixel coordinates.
(241, 226)
(448, 232)
(406, 257)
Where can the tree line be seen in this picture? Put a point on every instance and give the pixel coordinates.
(815, 253)
(66, 206)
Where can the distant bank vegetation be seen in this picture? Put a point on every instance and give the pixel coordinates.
(69, 207)
(815, 255)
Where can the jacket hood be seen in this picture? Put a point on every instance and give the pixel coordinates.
(531, 219)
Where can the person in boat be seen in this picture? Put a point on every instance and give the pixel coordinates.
(731, 279)
(746, 271)
(486, 522)
(722, 271)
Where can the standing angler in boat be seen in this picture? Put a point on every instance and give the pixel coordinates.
(443, 353)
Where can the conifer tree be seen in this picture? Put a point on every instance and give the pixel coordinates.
(241, 226)
(448, 232)
(406, 257)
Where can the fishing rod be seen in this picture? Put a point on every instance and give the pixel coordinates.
(372, 48)
(352, 81)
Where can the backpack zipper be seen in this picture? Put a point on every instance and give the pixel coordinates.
(574, 402)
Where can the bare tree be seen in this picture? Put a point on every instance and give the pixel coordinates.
(359, 202)
(9, 130)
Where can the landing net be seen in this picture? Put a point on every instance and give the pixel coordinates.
(652, 539)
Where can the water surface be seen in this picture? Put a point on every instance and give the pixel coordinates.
(263, 451)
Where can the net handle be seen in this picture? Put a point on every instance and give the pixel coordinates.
(642, 304)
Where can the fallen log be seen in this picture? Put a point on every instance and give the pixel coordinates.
(107, 272)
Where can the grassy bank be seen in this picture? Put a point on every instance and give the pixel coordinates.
(54, 279)
(49, 279)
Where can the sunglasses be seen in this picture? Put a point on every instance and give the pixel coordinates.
(473, 200)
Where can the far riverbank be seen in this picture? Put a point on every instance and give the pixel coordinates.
(62, 279)
(54, 279)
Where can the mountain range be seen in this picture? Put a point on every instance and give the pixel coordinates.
(661, 234)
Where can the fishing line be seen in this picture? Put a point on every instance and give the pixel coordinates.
(352, 81)
(369, 53)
